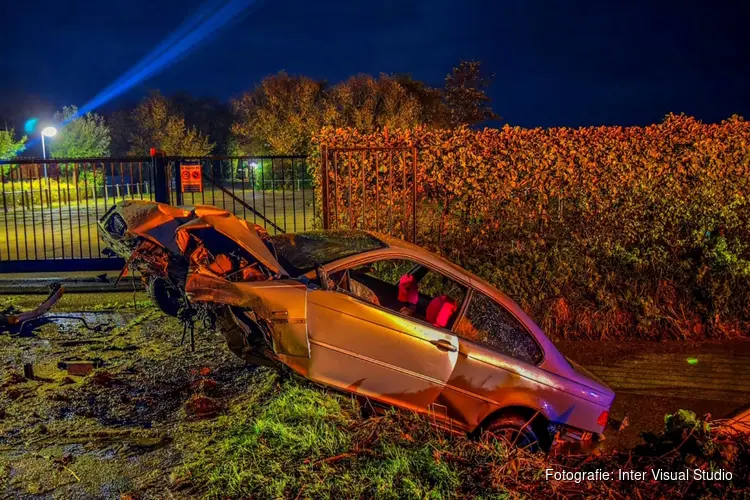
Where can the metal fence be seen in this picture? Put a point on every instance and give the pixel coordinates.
(273, 191)
(371, 188)
(50, 207)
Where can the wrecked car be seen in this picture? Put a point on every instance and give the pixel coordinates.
(369, 315)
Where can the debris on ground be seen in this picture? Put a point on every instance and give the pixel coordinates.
(80, 367)
(200, 406)
(17, 320)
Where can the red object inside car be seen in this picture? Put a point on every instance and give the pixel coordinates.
(407, 289)
(440, 310)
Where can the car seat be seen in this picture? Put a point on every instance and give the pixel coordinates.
(408, 292)
(440, 311)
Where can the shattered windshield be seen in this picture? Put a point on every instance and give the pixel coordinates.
(299, 253)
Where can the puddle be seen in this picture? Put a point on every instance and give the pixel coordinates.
(68, 322)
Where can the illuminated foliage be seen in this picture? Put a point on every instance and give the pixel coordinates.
(465, 95)
(365, 103)
(156, 125)
(9, 146)
(284, 112)
(280, 115)
(598, 231)
(86, 136)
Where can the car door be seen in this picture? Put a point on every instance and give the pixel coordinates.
(373, 351)
(497, 365)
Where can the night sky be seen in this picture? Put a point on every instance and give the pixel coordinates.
(555, 62)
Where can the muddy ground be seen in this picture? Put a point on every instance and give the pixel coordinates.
(127, 429)
(112, 431)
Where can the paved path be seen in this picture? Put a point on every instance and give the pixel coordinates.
(651, 379)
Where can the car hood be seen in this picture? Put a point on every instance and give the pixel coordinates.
(162, 224)
(239, 231)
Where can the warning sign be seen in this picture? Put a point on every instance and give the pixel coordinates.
(191, 177)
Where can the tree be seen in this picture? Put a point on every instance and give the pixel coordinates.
(280, 115)
(209, 116)
(121, 126)
(157, 125)
(465, 96)
(85, 136)
(367, 104)
(9, 147)
(433, 110)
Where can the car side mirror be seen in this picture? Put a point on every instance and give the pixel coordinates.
(323, 279)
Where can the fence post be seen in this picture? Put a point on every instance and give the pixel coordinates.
(161, 189)
(324, 187)
(177, 183)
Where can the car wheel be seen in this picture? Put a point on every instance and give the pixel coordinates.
(514, 429)
(243, 338)
(166, 296)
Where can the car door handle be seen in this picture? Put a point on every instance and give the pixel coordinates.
(443, 345)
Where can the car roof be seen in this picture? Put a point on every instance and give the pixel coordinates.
(392, 242)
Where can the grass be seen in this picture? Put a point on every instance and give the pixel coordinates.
(286, 438)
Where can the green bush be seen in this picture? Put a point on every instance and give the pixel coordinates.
(599, 232)
(44, 192)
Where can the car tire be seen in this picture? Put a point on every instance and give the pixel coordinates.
(166, 296)
(514, 429)
(243, 338)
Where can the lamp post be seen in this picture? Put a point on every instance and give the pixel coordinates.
(48, 132)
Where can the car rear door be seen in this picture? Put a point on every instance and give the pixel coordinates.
(497, 366)
(367, 349)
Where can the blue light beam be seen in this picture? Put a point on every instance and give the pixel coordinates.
(186, 38)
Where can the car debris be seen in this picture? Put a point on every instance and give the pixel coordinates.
(17, 321)
(365, 314)
(737, 423)
(80, 368)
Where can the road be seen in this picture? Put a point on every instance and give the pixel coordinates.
(651, 379)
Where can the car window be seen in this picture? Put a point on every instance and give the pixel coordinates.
(300, 252)
(389, 271)
(491, 324)
(405, 287)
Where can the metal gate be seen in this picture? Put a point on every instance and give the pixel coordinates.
(276, 192)
(50, 207)
(371, 188)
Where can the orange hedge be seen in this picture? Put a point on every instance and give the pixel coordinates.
(598, 231)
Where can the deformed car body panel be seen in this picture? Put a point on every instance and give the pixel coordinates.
(168, 227)
(281, 304)
(240, 232)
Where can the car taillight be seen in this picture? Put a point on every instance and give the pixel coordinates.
(602, 420)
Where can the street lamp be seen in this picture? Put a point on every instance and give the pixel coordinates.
(49, 132)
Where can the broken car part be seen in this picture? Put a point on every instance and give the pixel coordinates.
(18, 320)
